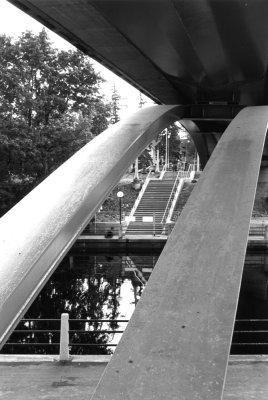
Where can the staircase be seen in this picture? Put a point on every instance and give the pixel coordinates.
(152, 204)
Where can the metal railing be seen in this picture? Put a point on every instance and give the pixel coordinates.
(259, 230)
(144, 186)
(250, 336)
(163, 172)
(64, 333)
(101, 228)
(175, 198)
(172, 194)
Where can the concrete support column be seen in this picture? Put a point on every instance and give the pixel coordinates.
(178, 340)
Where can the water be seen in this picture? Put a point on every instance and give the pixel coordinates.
(93, 286)
(251, 327)
(89, 286)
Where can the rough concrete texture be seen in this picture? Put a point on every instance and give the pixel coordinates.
(179, 336)
(246, 381)
(47, 381)
(47, 226)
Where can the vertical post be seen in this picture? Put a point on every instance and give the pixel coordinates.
(157, 160)
(266, 233)
(120, 210)
(120, 195)
(153, 224)
(166, 149)
(198, 163)
(136, 175)
(64, 337)
(71, 262)
(120, 218)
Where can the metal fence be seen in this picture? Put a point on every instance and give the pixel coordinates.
(62, 337)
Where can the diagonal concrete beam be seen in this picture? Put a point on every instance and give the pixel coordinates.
(177, 343)
(39, 230)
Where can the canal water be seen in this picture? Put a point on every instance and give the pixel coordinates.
(100, 290)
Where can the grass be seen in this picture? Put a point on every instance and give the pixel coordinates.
(110, 207)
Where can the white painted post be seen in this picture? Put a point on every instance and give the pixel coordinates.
(64, 337)
(198, 163)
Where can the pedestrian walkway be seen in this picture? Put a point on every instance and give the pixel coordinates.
(153, 208)
(246, 380)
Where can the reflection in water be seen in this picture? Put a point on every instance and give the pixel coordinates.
(93, 287)
(90, 287)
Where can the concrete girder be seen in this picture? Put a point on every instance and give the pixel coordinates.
(177, 342)
(39, 230)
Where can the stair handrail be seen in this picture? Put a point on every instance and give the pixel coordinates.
(170, 197)
(144, 186)
(174, 201)
(163, 172)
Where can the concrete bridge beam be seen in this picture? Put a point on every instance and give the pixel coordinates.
(39, 230)
(177, 343)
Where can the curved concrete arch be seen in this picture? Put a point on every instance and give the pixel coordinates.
(177, 343)
(39, 230)
(205, 143)
(198, 140)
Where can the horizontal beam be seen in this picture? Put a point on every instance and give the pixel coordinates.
(212, 111)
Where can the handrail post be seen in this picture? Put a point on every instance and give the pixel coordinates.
(266, 232)
(64, 337)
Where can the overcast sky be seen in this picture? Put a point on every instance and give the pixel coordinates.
(13, 22)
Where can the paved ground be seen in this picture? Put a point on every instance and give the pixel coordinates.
(47, 381)
(246, 380)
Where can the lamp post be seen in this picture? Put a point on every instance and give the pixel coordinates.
(168, 134)
(120, 195)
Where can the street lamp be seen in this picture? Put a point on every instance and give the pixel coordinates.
(168, 134)
(120, 195)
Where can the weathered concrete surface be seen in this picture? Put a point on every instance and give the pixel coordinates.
(177, 343)
(47, 381)
(246, 380)
(39, 230)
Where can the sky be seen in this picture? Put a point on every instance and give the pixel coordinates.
(13, 22)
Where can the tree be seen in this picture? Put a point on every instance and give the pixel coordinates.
(50, 106)
(115, 106)
(173, 132)
(86, 294)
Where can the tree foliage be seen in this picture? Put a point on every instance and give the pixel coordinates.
(115, 106)
(50, 106)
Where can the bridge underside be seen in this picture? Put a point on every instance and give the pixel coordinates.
(209, 56)
(175, 51)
